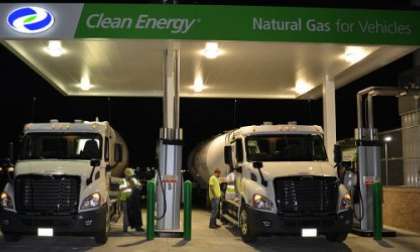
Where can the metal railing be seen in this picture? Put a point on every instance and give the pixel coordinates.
(151, 202)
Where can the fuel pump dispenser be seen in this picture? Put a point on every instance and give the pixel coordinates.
(169, 181)
(368, 162)
(368, 151)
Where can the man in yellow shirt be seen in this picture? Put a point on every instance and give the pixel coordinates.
(214, 194)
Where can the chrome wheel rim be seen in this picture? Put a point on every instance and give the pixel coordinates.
(244, 225)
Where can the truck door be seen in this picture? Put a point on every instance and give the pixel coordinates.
(107, 163)
(239, 160)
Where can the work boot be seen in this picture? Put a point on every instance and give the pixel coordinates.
(212, 224)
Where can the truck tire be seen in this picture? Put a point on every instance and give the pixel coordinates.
(102, 236)
(11, 237)
(336, 237)
(245, 228)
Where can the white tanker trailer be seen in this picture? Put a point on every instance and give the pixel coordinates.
(283, 184)
(61, 181)
(205, 158)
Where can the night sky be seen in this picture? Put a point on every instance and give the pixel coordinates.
(27, 97)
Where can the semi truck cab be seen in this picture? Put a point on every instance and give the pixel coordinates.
(284, 184)
(61, 182)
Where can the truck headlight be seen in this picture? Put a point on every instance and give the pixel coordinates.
(345, 202)
(261, 202)
(91, 201)
(6, 201)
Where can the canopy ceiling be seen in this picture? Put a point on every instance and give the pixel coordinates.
(133, 67)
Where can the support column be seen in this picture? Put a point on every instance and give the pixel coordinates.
(329, 115)
(170, 147)
(171, 88)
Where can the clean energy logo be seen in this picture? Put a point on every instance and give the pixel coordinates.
(30, 20)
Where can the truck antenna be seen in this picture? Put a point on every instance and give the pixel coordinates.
(235, 113)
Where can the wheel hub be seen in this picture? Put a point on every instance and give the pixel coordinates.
(244, 223)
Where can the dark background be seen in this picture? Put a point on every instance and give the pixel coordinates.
(383, 4)
(26, 97)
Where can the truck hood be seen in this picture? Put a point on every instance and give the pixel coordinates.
(80, 168)
(272, 170)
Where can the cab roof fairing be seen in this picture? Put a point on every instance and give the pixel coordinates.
(278, 129)
(62, 127)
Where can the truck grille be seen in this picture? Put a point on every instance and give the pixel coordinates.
(47, 195)
(306, 195)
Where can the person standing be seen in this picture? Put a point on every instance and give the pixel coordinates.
(214, 194)
(131, 197)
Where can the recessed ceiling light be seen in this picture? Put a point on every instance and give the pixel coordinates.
(388, 138)
(54, 48)
(354, 54)
(211, 51)
(302, 87)
(85, 84)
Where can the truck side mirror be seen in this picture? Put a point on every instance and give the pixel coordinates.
(257, 164)
(338, 154)
(228, 155)
(95, 162)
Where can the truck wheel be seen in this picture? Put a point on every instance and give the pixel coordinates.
(10, 237)
(102, 236)
(247, 233)
(336, 237)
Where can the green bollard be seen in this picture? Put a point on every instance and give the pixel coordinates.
(377, 208)
(187, 210)
(150, 229)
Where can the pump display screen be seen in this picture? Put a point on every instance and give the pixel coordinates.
(62, 146)
(292, 147)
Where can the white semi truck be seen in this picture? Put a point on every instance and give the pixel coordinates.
(62, 181)
(283, 182)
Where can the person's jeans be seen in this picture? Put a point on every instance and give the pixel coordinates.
(134, 209)
(214, 211)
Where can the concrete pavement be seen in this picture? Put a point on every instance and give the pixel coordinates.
(205, 240)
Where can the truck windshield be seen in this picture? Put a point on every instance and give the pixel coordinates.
(62, 146)
(291, 147)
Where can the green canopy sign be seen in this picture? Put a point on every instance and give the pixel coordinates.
(250, 23)
(247, 23)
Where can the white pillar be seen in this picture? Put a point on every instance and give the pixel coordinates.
(171, 86)
(328, 92)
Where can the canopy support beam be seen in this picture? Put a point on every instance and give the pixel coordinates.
(329, 115)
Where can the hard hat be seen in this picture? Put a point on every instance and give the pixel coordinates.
(129, 172)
